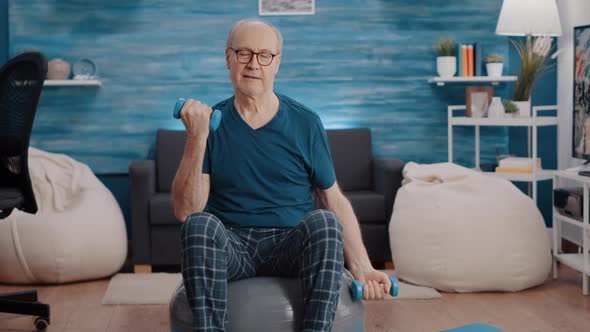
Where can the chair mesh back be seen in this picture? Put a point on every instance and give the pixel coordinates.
(21, 82)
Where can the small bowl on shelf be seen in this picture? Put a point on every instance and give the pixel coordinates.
(84, 69)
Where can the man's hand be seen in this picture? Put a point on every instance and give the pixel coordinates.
(195, 116)
(376, 284)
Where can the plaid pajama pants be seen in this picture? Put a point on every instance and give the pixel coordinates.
(213, 254)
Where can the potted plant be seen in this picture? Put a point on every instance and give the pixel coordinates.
(534, 61)
(446, 61)
(510, 108)
(494, 64)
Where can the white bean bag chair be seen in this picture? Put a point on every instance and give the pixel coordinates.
(458, 230)
(77, 234)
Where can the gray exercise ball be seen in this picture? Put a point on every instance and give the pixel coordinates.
(269, 304)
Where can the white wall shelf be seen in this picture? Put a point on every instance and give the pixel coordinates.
(579, 261)
(88, 83)
(505, 122)
(571, 221)
(542, 175)
(440, 81)
(531, 122)
(574, 260)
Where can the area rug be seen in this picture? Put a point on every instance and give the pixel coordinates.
(141, 288)
(157, 288)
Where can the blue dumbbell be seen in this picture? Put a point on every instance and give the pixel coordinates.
(356, 288)
(215, 116)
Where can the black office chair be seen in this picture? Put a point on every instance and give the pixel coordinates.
(21, 82)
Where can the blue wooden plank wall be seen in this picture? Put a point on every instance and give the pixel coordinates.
(355, 62)
(3, 31)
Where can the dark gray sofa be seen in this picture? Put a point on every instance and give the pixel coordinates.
(370, 184)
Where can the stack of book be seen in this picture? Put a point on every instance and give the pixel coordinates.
(517, 165)
(469, 61)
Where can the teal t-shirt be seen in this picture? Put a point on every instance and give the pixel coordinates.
(265, 177)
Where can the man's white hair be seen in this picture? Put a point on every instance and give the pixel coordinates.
(238, 24)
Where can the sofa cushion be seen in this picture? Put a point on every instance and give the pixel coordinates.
(376, 240)
(169, 149)
(352, 156)
(165, 245)
(161, 209)
(368, 206)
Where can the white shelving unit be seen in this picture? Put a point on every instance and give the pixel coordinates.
(440, 81)
(531, 122)
(87, 83)
(580, 261)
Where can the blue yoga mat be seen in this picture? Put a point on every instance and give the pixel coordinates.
(474, 328)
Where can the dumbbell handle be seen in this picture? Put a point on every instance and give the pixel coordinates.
(356, 288)
(215, 116)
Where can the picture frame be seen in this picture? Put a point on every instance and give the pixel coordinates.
(473, 98)
(581, 93)
(286, 7)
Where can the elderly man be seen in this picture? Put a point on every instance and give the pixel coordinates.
(244, 193)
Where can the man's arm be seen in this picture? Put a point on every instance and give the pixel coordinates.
(190, 188)
(355, 253)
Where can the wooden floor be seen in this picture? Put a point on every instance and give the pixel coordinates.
(558, 305)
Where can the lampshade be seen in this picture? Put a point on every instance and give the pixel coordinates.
(534, 17)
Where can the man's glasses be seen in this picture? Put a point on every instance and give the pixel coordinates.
(245, 56)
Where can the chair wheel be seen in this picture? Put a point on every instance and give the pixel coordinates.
(41, 324)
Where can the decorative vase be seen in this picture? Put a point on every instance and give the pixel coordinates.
(524, 108)
(57, 69)
(496, 109)
(494, 69)
(446, 66)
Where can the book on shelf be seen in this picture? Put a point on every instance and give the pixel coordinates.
(518, 162)
(460, 61)
(469, 61)
(525, 170)
(478, 61)
(464, 61)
